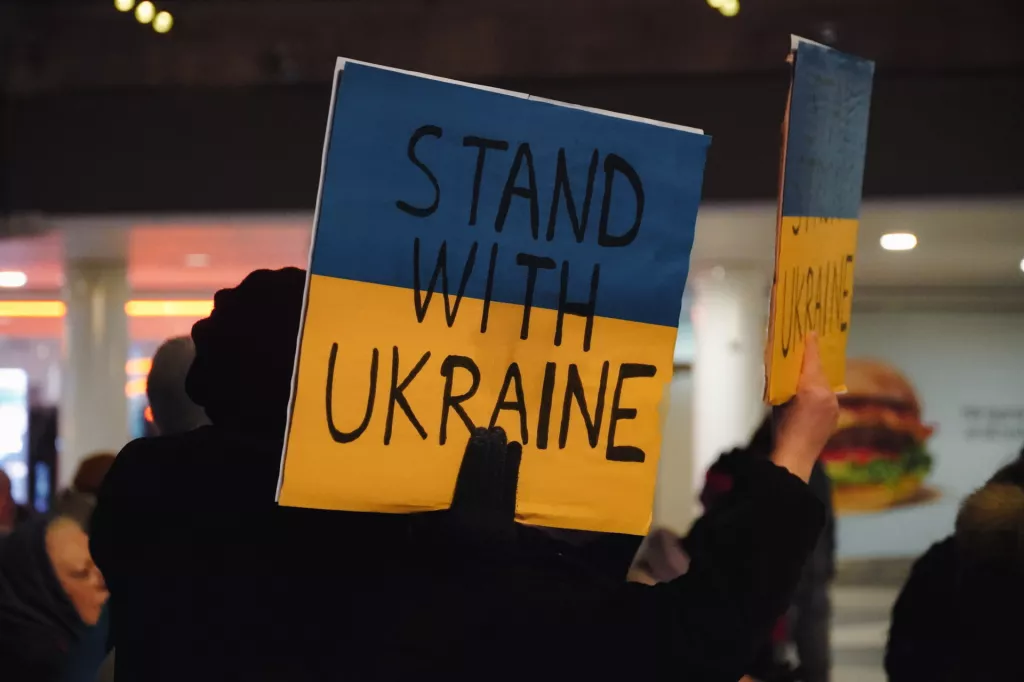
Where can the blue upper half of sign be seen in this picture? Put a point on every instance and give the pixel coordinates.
(410, 157)
(828, 133)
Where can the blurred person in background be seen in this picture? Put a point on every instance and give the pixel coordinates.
(173, 411)
(89, 477)
(86, 658)
(959, 616)
(42, 446)
(231, 586)
(12, 514)
(51, 596)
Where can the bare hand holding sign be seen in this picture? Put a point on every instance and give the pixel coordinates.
(804, 425)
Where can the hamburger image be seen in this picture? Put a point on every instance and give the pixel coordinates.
(877, 457)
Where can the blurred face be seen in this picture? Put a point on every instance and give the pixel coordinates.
(68, 547)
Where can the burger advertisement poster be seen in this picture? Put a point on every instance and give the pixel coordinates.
(878, 458)
(934, 405)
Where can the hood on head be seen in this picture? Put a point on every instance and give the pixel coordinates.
(245, 352)
(990, 526)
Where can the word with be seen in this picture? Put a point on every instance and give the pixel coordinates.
(533, 265)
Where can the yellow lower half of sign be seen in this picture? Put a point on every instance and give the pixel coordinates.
(397, 446)
(813, 291)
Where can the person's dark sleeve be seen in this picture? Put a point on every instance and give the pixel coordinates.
(118, 522)
(918, 635)
(745, 560)
(810, 619)
(111, 511)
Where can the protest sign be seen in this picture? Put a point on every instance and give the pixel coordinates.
(486, 258)
(826, 130)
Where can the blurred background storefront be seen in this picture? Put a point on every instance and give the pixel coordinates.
(145, 164)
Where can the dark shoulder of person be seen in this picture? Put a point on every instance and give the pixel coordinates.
(924, 618)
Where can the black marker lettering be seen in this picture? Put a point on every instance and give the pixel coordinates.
(482, 144)
(574, 391)
(420, 133)
(336, 434)
(528, 192)
(564, 189)
(847, 282)
(532, 263)
(489, 289)
(809, 288)
(441, 268)
(546, 394)
(616, 164)
(397, 395)
(586, 310)
(625, 453)
(786, 331)
(519, 405)
(455, 402)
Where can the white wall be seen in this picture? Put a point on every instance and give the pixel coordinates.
(959, 363)
(675, 498)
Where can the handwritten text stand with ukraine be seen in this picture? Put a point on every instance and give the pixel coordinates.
(485, 258)
(819, 207)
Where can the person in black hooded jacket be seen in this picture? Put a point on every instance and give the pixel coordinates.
(957, 618)
(50, 595)
(211, 580)
(807, 624)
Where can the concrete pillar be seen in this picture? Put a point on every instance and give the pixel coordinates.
(730, 313)
(94, 409)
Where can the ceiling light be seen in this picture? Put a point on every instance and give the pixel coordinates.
(195, 309)
(197, 260)
(898, 241)
(717, 4)
(144, 12)
(124, 5)
(730, 8)
(151, 308)
(162, 22)
(1022, 265)
(31, 309)
(12, 279)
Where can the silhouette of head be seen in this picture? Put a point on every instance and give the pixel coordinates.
(245, 352)
(173, 411)
(990, 524)
(91, 472)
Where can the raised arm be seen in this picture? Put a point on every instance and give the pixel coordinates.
(745, 557)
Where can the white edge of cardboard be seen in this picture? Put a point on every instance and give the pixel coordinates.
(795, 41)
(602, 112)
(309, 275)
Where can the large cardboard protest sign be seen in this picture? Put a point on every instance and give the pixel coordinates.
(486, 258)
(825, 142)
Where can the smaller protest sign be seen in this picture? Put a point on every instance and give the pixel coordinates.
(826, 130)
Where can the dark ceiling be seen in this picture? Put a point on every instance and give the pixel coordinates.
(226, 112)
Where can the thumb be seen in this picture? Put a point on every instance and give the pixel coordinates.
(811, 370)
(485, 490)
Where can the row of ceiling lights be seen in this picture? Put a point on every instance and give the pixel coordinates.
(146, 13)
